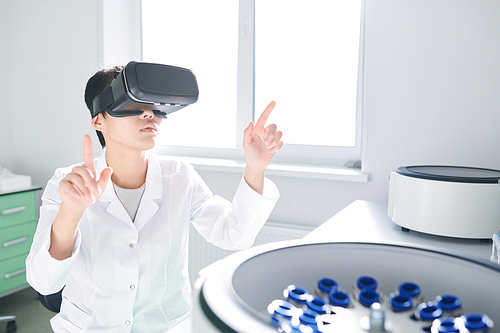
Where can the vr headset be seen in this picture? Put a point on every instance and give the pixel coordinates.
(146, 86)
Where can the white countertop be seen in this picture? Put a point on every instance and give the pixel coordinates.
(366, 221)
(24, 189)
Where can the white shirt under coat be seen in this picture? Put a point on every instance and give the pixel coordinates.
(126, 276)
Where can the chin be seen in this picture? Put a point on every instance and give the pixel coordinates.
(150, 145)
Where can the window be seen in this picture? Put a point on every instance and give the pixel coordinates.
(304, 54)
(203, 37)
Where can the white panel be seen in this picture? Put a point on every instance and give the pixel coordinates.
(202, 253)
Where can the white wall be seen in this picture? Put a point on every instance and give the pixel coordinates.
(6, 148)
(432, 86)
(52, 49)
(433, 83)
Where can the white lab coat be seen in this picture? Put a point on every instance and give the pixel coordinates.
(133, 277)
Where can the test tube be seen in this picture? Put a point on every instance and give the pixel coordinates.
(369, 296)
(317, 304)
(309, 318)
(296, 295)
(477, 322)
(411, 289)
(366, 282)
(426, 313)
(401, 303)
(446, 325)
(365, 291)
(281, 311)
(325, 286)
(339, 298)
(450, 304)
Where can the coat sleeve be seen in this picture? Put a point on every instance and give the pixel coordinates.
(44, 273)
(231, 225)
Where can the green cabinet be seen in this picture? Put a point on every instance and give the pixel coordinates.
(17, 228)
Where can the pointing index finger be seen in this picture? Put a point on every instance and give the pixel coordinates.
(265, 114)
(88, 154)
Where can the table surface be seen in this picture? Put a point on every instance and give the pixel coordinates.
(24, 189)
(367, 221)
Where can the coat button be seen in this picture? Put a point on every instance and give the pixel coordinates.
(131, 246)
(127, 322)
(132, 287)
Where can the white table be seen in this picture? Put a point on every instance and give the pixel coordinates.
(366, 221)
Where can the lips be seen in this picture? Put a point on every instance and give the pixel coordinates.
(151, 127)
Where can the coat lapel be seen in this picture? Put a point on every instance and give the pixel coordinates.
(148, 206)
(115, 207)
(153, 192)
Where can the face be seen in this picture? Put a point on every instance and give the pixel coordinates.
(133, 132)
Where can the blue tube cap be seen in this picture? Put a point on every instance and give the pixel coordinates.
(429, 311)
(401, 302)
(409, 288)
(296, 294)
(308, 317)
(476, 321)
(327, 284)
(368, 296)
(339, 298)
(281, 310)
(317, 304)
(367, 282)
(449, 302)
(445, 325)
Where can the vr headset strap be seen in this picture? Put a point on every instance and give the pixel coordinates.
(103, 100)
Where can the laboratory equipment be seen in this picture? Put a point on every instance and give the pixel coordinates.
(235, 293)
(448, 201)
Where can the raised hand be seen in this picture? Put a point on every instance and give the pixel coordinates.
(262, 142)
(80, 188)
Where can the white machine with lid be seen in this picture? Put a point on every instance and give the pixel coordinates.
(238, 291)
(451, 201)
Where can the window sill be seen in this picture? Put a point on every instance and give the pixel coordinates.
(282, 170)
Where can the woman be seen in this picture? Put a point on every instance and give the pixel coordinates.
(114, 230)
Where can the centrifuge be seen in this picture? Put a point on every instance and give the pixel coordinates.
(452, 201)
(240, 292)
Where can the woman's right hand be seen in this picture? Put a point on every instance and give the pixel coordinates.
(79, 189)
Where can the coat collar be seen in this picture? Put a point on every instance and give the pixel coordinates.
(152, 193)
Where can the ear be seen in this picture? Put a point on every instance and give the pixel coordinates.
(97, 122)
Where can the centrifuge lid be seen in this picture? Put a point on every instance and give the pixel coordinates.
(451, 173)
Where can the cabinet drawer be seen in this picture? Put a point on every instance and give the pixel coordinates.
(17, 208)
(16, 240)
(12, 273)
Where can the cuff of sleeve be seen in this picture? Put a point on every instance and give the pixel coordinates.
(270, 192)
(254, 205)
(55, 265)
(253, 210)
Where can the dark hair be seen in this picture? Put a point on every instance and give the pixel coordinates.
(95, 86)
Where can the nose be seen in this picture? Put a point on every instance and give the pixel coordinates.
(147, 114)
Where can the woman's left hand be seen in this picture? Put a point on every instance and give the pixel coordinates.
(262, 142)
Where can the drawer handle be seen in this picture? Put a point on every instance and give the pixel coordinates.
(16, 273)
(14, 210)
(15, 242)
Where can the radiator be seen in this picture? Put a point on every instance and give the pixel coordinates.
(202, 253)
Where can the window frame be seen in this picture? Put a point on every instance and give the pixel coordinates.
(329, 156)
